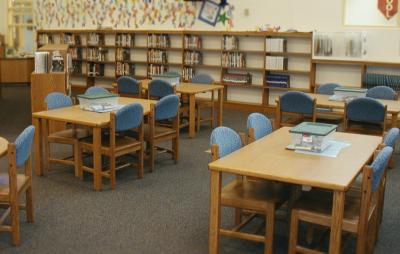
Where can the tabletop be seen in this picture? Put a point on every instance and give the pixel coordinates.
(323, 101)
(78, 116)
(267, 158)
(3, 146)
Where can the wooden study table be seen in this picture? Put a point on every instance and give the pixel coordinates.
(393, 107)
(191, 89)
(75, 115)
(3, 146)
(268, 159)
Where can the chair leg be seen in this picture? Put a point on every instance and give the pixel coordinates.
(212, 115)
(14, 213)
(77, 157)
(79, 161)
(151, 158)
(238, 216)
(29, 204)
(175, 148)
(112, 172)
(198, 118)
(294, 224)
(140, 157)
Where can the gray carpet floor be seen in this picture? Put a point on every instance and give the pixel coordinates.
(166, 212)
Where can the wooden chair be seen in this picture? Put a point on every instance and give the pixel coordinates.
(167, 108)
(70, 136)
(365, 116)
(13, 185)
(360, 211)
(129, 87)
(258, 197)
(158, 89)
(328, 114)
(382, 92)
(128, 118)
(390, 139)
(202, 104)
(297, 104)
(258, 126)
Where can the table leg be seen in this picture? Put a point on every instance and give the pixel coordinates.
(337, 222)
(38, 146)
(394, 119)
(192, 116)
(97, 179)
(220, 105)
(215, 212)
(45, 146)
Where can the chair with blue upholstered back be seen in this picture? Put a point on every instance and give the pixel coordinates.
(328, 89)
(365, 115)
(203, 78)
(129, 87)
(96, 89)
(244, 193)
(361, 211)
(327, 113)
(382, 92)
(391, 138)
(57, 100)
(128, 118)
(295, 103)
(160, 88)
(167, 108)
(258, 126)
(17, 184)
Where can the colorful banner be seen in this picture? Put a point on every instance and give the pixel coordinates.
(388, 8)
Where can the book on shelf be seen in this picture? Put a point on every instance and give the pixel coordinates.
(275, 45)
(95, 70)
(156, 69)
(188, 73)
(277, 80)
(72, 39)
(192, 42)
(276, 63)
(122, 54)
(95, 39)
(76, 67)
(124, 69)
(233, 59)
(96, 54)
(76, 53)
(192, 57)
(124, 40)
(237, 78)
(157, 56)
(230, 43)
(158, 40)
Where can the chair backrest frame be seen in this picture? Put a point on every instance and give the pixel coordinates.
(131, 95)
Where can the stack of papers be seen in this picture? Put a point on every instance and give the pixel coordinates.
(101, 108)
(331, 151)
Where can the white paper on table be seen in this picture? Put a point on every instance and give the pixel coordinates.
(332, 150)
(102, 109)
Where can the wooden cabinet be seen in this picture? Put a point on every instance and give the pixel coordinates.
(16, 70)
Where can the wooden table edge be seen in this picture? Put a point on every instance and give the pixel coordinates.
(5, 142)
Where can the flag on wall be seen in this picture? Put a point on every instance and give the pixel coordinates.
(388, 8)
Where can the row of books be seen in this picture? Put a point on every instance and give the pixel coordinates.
(157, 56)
(72, 39)
(156, 69)
(95, 70)
(278, 80)
(122, 54)
(192, 42)
(44, 39)
(237, 78)
(95, 39)
(158, 40)
(124, 40)
(275, 45)
(76, 67)
(76, 53)
(192, 57)
(124, 69)
(374, 79)
(233, 59)
(188, 73)
(230, 43)
(96, 54)
(275, 63)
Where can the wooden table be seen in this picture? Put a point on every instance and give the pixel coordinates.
(3, 146)
(267, 158)
(393, 107)
(191, 89)
(75, 115)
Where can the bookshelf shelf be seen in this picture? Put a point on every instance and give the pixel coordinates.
(287, 88)
(250, 86)
(294, 54)
(289, 71)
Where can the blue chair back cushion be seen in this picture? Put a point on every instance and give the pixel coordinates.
(328, 89)
(261, 124)
(128, 117)
(366, 110)
(202, 78)
(227, 140)
(296, 102)
(382, 92)
(167, 107)
(391, 137)
(128, 85)
(160, 88)
(379, 165)
(57, 100)
(23, 145)
(96, 89)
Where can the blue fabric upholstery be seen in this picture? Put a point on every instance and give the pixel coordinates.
(202, 78)
(128, 117)
(96, 89)
(227, 140)
(160, 88)
(261, 124)
(296, 102)
(57, 100)
(23, 145)
(366, 110)
(379, 165)
(382, 92)
(327, 88)
(391, 137)
(167, 107)
(128, 85)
